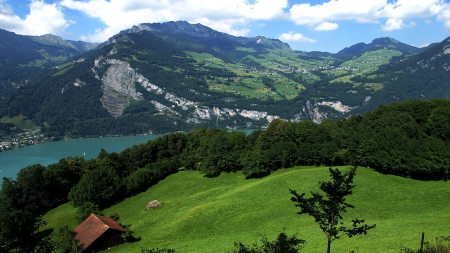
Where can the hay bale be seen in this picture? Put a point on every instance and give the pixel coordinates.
(153, 204)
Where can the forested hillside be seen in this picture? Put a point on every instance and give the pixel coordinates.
(24, 58)
(176, 76)
(409, 139)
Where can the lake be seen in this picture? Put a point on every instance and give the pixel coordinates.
(12, 161)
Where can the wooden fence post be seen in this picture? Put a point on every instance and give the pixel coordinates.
(421, 242)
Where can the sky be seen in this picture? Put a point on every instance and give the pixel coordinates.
(310, 25)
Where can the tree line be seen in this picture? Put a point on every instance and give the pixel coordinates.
(410, 139)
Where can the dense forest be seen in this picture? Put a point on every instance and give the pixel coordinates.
(409, 139)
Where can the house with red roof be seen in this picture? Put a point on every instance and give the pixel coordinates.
(98, 233)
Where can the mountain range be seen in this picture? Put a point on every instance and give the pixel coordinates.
(26, 57)
(176, 76)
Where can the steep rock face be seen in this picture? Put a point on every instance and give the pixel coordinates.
(337, 105)
(118, 84)
(311, 111)
(119, 89)
(121, 78)
(113, 104)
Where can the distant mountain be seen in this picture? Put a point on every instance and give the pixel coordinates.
(79, 46)
(176, 76)
(422, 76)
(206, 36)
(376, 44)
(41, 51)
(25, 57)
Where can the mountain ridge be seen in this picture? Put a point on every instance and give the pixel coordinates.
(177, 76)
(28, 57)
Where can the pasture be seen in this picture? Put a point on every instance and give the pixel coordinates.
(201, 214)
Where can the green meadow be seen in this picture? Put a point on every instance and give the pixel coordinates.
(249, 84)
(21, 122)
(201, 214)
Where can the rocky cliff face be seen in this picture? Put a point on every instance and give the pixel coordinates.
(312, 111)
(119, 88)
(118, 84)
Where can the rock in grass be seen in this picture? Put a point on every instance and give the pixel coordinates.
(153, 204)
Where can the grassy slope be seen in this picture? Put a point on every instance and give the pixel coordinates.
(207, 215)
(21, 122)
(281, 60)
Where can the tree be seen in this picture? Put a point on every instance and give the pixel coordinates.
(100, 186)
(283, 244)
(19, 221)
(85, 210)
(65, 241)
(327, 210)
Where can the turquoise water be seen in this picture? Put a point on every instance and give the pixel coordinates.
(12, 161)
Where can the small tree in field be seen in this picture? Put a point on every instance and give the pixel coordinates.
(327, 209)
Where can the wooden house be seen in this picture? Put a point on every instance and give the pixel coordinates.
(98, 233)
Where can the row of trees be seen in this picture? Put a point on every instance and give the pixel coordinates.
(410, 139)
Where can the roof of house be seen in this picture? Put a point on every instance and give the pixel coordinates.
(93, 227)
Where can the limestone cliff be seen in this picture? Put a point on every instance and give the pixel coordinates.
(119, 82)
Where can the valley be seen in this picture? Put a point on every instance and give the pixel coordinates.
(175, 76)
(222, 129)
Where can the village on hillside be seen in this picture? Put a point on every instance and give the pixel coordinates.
(31, 137)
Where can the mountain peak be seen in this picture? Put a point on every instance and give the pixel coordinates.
(384, 40)
(181, 27)
(202, 33)
(376, 44)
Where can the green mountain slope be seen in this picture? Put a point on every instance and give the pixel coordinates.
(377, 44)
(178, 76)
(23, 58)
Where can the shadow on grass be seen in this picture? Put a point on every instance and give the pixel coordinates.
(45, 233)
(132, 239)
(258, 175)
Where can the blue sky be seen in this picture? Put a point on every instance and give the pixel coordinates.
(315, 25)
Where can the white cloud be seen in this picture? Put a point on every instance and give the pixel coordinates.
(8, 20)
(45, 18)
(424, 45)
(444, 16)
(361, 11)
(291, 36)
(42, 19)
(326, 26)
(370, 11)
(231, 16)
(393, 24)
(401, 9)
(235, 17)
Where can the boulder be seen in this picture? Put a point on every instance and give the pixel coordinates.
(153, 204)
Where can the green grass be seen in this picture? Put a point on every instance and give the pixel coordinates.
(207, 215)
(277, 60)
(370, 61)
(21, 122)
